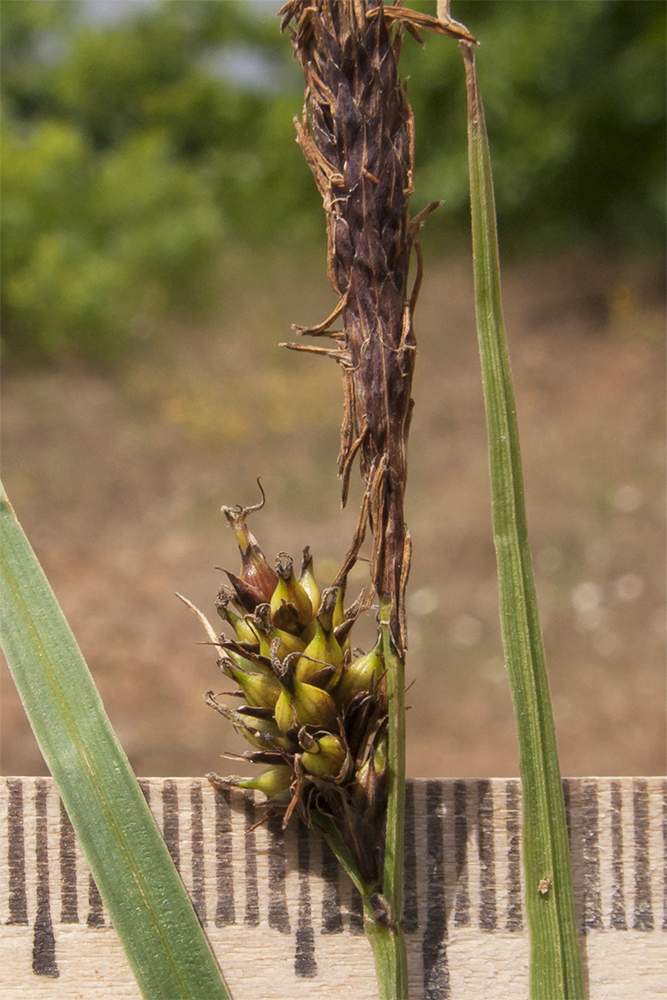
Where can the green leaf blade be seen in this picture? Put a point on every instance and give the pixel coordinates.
(139, 884)
(555, 970)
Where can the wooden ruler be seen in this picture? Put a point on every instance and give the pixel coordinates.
(286, 922)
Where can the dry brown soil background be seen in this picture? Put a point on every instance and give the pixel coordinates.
(118, 478)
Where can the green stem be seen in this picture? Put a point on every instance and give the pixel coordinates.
(391, 962)
(386, 939)
(389, 945)
(555, 967)
(393, 851)
(382, 914)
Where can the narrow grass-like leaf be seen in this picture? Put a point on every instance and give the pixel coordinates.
(139, 884)
(555, 965)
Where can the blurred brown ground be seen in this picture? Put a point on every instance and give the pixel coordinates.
(118, 479)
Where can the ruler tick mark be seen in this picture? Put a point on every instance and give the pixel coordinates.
(514, 921)
(278, 913)
(224, 910)
(197, 835)
(434, 948)
(487, 858)
(69, 904)
(643, 903)
(305, 965)
(18, 900)
(568, 819)
(96, 907)
(462, 905)
(356, 912)
(44, 943)
(332, 918)
(251, 887)
(617, 920)
(170, 821)
(410, 898)
(591, 857)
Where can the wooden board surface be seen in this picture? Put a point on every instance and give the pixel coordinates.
(285, 921)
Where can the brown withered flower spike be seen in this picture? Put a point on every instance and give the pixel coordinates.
(357, 136)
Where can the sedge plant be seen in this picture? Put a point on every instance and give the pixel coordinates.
(331, 727)
(327, 721)
(356, 133)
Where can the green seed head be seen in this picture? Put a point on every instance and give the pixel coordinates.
(260, 690)
(242, 629)
(323, 649)
(360, 675)
(339, 607)
(256, 574)
(291, 607)
(273, 781)
(267, 632)
(251, 663)
(258, 731)
(308, 581)
(326, 758)
(315, 718)
(305, 705)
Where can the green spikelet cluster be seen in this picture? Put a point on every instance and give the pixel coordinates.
(314, 713)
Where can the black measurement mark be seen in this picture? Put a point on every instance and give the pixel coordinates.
(146, 790)
(566, 801)
(251, 887)
(649, 907)
(69, 904)
(170, 821)
(434, 949)
(224, 910)
(487, 857)
(643, 920)
(617, 921)
(278, 913)
(410, 896)
(197, 841)
(305, 965)
(591, 856)
(462, 904)
(95, 905)
(356, 912)
(332, 918)
(514, 921)
(43, 943)
(18, 900)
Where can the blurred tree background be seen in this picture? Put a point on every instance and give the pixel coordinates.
(144, 142)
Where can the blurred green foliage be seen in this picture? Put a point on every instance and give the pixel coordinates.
(574, 93)
(137, 152)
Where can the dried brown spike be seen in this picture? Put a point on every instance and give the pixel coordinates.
(357, 136)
